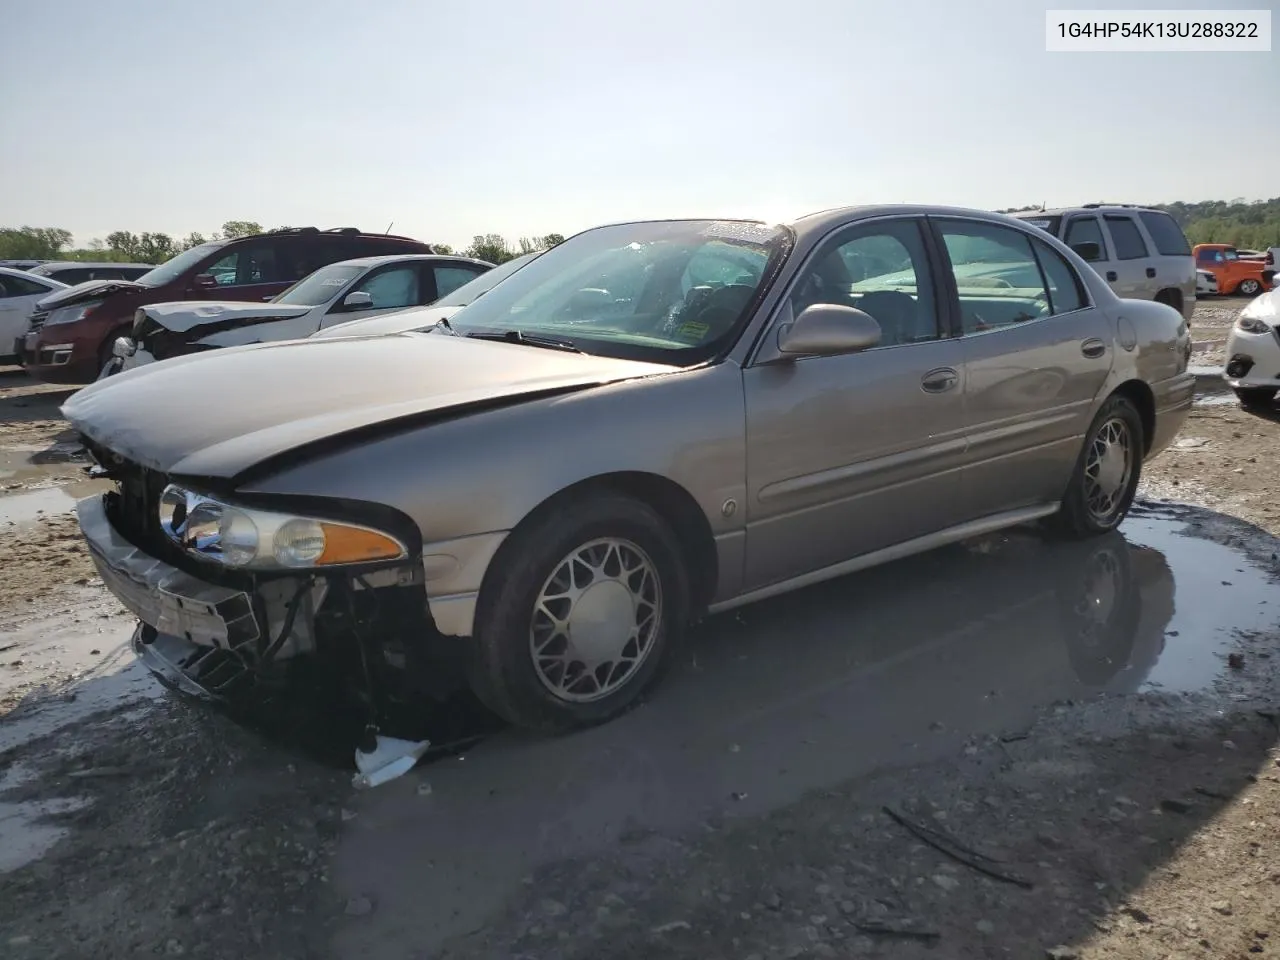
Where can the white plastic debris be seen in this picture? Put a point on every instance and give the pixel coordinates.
(390, 758)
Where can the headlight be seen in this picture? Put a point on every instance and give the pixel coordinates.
(257, 539)
(71, 314)
(1251, 325)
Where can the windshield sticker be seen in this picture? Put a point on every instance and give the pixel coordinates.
(1042, 224)
(746, 232)
(692, 332)
(332, 283)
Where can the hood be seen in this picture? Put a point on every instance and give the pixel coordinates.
(218, 413)
(402, 321)
(1264, 307)
(89, 290)
(183, 315)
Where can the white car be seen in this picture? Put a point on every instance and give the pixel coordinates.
(19, 292)
(403, 321)
(340, 292)
(1206, 283)
(1253, 351)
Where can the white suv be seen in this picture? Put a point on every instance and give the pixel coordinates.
(1141, 252)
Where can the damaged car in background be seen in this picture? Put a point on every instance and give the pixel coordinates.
(422, 318)
(339, 292)
(648, 422)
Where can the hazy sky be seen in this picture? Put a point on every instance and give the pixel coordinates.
(530, 117)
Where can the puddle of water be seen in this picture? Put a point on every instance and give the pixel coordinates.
(24, 836)
(1219, 593)
(1215, 400)
(67, 666)
(24, 507)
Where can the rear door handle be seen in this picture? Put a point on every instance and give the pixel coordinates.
(1151, 271)
(1093, 348)
(1111, 275)
(940, 380)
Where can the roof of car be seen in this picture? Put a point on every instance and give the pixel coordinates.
(400, 257)
(26, 274)
(60, 264)
(824, 220)
(1059, 211)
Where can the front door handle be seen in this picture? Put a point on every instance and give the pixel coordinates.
(1111, 275)
(940, 380)
(1093, 348)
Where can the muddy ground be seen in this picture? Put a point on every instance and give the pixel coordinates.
(1010, 748)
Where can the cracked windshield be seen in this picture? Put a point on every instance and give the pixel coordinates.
(767, 483)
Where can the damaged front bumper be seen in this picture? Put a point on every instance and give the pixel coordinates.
(216, 641)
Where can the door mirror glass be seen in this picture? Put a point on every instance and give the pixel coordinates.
(358, 300)
(828, 329)
(1088, 250)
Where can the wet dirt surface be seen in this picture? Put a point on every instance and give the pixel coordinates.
(1099, 717)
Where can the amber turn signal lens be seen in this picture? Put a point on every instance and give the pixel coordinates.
(356, 545)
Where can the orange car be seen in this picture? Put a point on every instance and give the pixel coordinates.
(1234, 275)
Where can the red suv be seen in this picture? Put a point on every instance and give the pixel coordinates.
(72, 331)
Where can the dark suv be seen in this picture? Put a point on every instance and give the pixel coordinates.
(72, 331)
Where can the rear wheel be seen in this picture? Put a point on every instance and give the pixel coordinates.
(579, 613)
(1106, 474)
(1249, 287)
(1255, 396)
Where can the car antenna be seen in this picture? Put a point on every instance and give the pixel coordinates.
(389, 226)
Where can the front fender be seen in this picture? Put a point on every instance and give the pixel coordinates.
(466, 482)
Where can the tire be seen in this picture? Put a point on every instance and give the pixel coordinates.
(1248, 288)
(601, 529)
(1254, 397)
(1076, 517)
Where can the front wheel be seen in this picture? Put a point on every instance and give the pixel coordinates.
(1248, 288)
(1106, 474)
(578, 614)
(1255, 396)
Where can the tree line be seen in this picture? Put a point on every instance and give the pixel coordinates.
(123, 246)
(1251, 225)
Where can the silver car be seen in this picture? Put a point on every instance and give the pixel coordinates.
(649, 422)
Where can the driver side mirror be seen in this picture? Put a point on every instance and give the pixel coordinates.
(828, 329)
(1089, 250)
(205, 281)
(358, 300)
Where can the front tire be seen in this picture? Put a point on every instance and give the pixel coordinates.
(1106, 474)
(1255, 397)
(578, 614)
(1248, 288)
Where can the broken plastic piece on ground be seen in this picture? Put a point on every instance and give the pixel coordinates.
(390, 758)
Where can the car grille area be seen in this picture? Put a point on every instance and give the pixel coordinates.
(37, 320)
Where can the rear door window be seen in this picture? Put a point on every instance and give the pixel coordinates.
(1066, 292)
(1086, 230)
(449, 277)
(1126, 237)
(1168, 237)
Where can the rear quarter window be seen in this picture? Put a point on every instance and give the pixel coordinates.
(1127, 238)
(1166, 234)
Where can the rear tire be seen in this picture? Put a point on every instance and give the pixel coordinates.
(1106, 474)
(1254, 397)
(578, 614)
(1249, 288)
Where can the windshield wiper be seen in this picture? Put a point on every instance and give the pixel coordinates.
(444, 323)
(517, 336)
